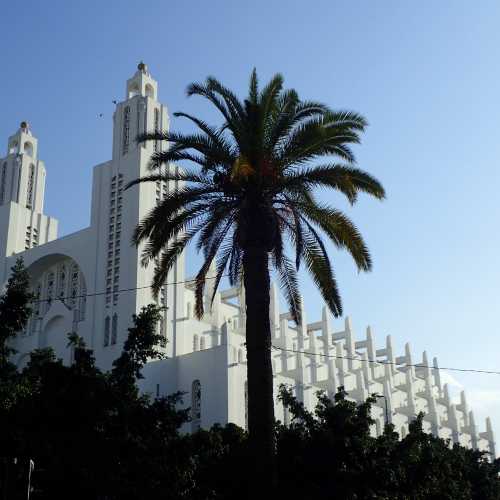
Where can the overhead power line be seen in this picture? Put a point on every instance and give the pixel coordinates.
(382, 362)
(96, 294)
(386, 362)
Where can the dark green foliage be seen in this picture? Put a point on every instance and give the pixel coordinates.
(14, 314)
(84, 443)
(90, 434)
(330, 454)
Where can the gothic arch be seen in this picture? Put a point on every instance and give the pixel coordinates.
(149, 90)
(57, 279)
(28, 148)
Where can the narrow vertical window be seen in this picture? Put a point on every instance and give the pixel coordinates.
(114, 329)
(74, 286)
(61, 283)
(195, 405)
(49, 290)
(38, 295)
(31, 182)
(126, 130)
(106, 331)
(196, 343)
(157, 129)
(202, 343)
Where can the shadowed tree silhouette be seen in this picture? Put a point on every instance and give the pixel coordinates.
(15, 311)
(247, 192)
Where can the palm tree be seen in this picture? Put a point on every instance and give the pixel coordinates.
(248, 192)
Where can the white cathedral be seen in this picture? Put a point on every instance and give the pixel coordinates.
(91, 282)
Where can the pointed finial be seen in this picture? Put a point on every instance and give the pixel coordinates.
(142, 67)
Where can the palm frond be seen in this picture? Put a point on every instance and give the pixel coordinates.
(320, 269)
(168, 259)
(166, 228)
(348, 180)
(235, 264)
(290, 287)
(179, 176)
(253, 88)
(168, 207)
(222, 262)
(344, 118)
(341, 231)
(210, 253)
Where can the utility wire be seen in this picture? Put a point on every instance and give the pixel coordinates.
(382, 362)
(119, 291)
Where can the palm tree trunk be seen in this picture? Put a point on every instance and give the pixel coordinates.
(259, 367)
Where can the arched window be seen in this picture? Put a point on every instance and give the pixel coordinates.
(188, 308)
(378, 427)
(114, 329)
(28, 148)
(106, 331)
(150, 91)
(240, 356)
(3, 182)
(195, 405)
(202, 343)
(133, 90)
(196, 343)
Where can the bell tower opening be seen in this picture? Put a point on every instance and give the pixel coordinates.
(141, 84)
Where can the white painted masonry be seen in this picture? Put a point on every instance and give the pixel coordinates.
(78, 279)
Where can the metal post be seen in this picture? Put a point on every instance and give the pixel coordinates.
(31, 467)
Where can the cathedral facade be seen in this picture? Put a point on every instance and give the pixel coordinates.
(91, 282)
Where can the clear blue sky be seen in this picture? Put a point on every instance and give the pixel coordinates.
(425, 74)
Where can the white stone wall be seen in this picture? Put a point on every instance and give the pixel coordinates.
(206, 359)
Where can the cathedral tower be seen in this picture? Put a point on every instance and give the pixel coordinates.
(116, 212)
(22, 187)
